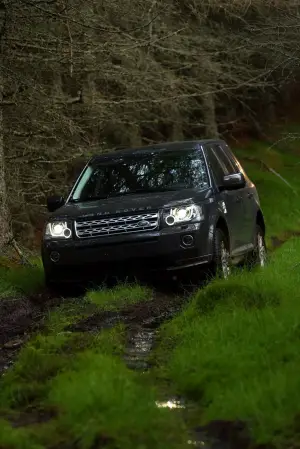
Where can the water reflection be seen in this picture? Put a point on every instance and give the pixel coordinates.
(138, 349)
(171, 403)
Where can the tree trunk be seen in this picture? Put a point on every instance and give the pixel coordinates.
(4, 213)
(209, 116)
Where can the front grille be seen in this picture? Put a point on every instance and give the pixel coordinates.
(116, 225)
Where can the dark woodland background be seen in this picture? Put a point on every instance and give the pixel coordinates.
(82, 76)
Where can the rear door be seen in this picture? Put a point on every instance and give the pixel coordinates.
(230, 201)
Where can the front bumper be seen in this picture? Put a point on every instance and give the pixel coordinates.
(87, 259)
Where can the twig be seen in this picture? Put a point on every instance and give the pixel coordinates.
(23, 258)
(271, 170)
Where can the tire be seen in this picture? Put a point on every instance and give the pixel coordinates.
(55, 288)
(258, 257)
(222, 260)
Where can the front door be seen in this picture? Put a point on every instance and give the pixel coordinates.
(230, 201)
(247, 194)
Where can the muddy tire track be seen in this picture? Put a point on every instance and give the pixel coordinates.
(21, 317)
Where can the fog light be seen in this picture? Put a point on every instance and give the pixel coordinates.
(187, 240)
(54, 256)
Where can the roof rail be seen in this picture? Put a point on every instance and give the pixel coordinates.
(120, 148)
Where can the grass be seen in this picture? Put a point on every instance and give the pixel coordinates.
(120, 296)
(47, 355)
(97, 399)
(102, 400)
(280, 203)
(20, 280)
(11, 438)
(236, 348)
(73, 310)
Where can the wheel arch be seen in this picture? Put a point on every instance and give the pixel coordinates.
(221, 224)
(260, 221)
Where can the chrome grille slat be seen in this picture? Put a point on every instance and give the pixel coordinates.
(116, 225)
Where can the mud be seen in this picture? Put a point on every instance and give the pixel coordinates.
(147, 314)
(19, 318)
(30, 416)
(139, 345)
(277, 242)
(226, 435)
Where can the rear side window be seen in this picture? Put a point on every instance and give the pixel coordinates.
(228, 166)
(216, 166)
(232, 158)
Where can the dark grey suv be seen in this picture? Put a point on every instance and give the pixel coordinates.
(164, 207)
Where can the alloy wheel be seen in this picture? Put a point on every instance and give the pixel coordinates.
(261, 250)
(225, 261)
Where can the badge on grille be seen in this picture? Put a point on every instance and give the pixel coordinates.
(143, 223)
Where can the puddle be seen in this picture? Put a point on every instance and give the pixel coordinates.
(138, 348)
(171, 404)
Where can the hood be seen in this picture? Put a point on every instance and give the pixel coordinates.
(130, 203)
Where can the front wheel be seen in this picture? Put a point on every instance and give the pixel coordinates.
(222, 259)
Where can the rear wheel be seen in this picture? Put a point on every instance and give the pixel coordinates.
(258, 257)
(222, 259)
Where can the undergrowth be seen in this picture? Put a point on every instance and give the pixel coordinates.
(280, 202)
(20, 280)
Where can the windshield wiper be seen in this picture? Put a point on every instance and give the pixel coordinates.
(85, 200)
(133, 192)
(130, 192)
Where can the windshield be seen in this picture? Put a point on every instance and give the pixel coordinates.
(148, 172)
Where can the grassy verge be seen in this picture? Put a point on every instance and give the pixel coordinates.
(280, 202)
(236, 348)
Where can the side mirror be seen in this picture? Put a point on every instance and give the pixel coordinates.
(232, 182)
(54, 202)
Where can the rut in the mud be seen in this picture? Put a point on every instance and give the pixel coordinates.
(23, 316)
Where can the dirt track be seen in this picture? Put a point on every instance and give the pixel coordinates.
(21, 317)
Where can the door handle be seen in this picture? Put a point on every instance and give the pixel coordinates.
(250, 195)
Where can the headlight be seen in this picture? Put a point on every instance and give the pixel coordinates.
(183, 214)
(58, 229)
